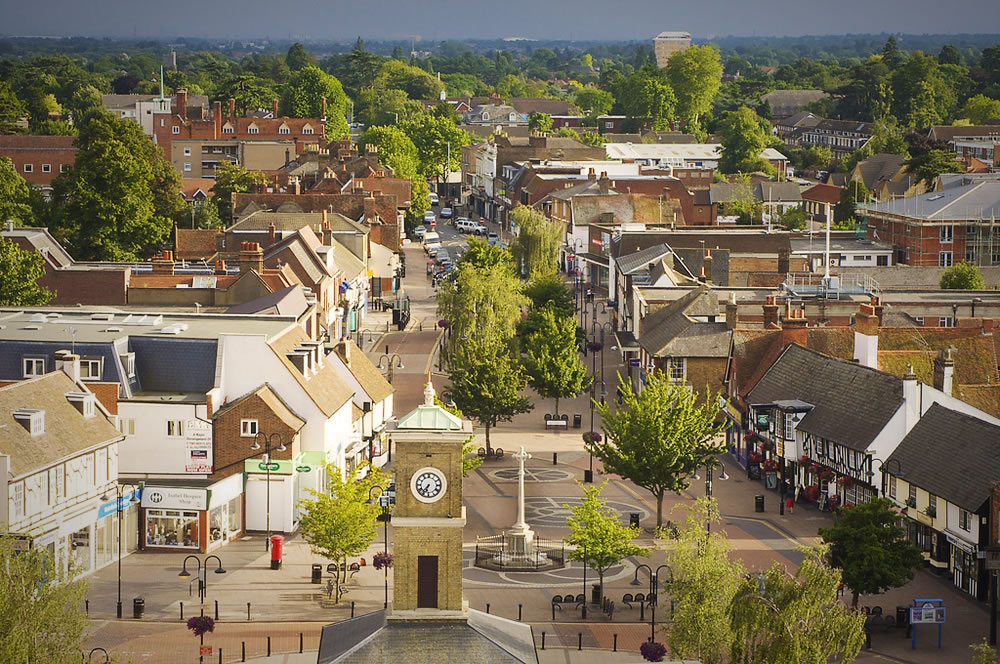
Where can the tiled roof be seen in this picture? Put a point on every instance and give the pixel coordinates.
(289, 301)
(192, 243)
(822, 193)
(273, 401)
(852, 403)
(67, 431)
(325, 387)
(952, 455)
(640, 259)
(368, 376)
(36, 142)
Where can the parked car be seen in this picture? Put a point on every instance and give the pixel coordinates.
(419, 232)
(446, 213)
(479, 228)
(464, 225)
(492, 239)
(429, 216)
(434, 198)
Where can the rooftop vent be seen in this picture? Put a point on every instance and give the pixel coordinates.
(112, 329)
(102, 317)
(39, 318)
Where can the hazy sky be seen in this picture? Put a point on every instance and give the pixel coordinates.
(436, 20)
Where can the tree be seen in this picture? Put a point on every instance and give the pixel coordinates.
(550, 290)
(446, 110)
(928, 166)
(302, 97)
(870, 548)
(40, 616)
(15, 195)
(437, 140)
(813, 157)
(855, 192)
(248, 92)
(340, 521)
(230, 179)
(298, 57)
(743, 204)
(984, 653)
(540, 122)
(794, 218)
(486, 382)
(511, 86)
(593, 101)
(395, 149)
(415, 82)
(704, 581)
(385, 106)
(552, 360)
(19, 274)
(119, 200)
(658, 437)
(949, 55)
(890, 53)
(600, 539)
(695, 74)
(12, 109)
(644, 95)
(962, 276)
(536, 247)
(980, 109)
(743, 138)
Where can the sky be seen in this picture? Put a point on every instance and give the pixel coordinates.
(436, 20)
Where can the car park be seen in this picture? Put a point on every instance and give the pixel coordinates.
(446, 213)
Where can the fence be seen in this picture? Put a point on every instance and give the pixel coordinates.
(509, 553)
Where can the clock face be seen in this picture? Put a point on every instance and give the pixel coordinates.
(428, 485)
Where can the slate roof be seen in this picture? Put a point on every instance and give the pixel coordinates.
(852, 403)
(879, 167)
(948, 132)
(290, 301)
(671, 332)
(67, 431)
(970, 202)
(737, 242)
(324, 387)
(642, 258)
(174, 365)
(952, 455)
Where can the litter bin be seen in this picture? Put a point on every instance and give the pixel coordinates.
(277, 542)
(317, 573)
(595, 594)
(758, 503)
(577, 419)
(138, 607)
(633, 519)
(588, 477)
(902, 616)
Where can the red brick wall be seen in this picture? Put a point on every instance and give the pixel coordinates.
(37, 158)
(231, 449)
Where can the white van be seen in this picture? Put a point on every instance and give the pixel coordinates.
(432, 241)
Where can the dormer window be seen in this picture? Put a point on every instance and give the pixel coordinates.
(83, 402)
(32, 419)
(308, 130)
(253, 129)
(33, 366)
(227, 129)
(486, 117)
(512, 117)
(91, 369)
(283, 129)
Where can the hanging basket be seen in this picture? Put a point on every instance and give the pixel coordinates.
(652, 651)
(200, 625)
(382, 559)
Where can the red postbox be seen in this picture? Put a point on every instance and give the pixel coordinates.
(277, 542)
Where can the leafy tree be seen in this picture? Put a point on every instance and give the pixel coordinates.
(19, 274)
(436, 139)
(658, 437)
(550, 290)
(551, 358)
(298, 57)
(12, 109)
(464, 85)
(794, 218)
(644, 95)
(928, 166)
(795, 618)
(695, 74)
(921, 96)
(470, 460)
(230, 179)
(949, 55)
(600, 539)
(813, 157)
(890, 53)
(119, 200)
(249, 92)
(743, 138)
(483, 256)
(446, 110)
(870, 548)
(855, 192)
(962, 276)
(40, 616)
(536, 247)
(743, 204)
(385, 106)
(15, 195)
(984, 653)
(511, 86)
(340, 521)
(705, 580)
(593, 101)
(301, 98)
(200, 214)
(980, 109)
(414, 81)
(486, 382)
(84, 100)
(420, 202)
(395, 149)
(541, 122)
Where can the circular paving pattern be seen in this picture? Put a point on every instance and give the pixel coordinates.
(532, 475)
(570, 576)
(549, 510)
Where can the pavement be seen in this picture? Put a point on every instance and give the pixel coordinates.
(286, 608)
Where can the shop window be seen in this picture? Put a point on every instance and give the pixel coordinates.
(79, 544)
(248, 428)
(172, 528)
(175, 428)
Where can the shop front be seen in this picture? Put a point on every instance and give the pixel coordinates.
(192, 518)
(965, 567)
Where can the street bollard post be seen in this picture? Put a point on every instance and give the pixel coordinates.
(216, 609)
(86, 606)
(487, 607)
(269, 646)
(555, 456)
(519, 612)
(579, 640)
(300, 642)
(615, 646)
(248, 611)
(243, 648)
(352, 608)
(182, 610)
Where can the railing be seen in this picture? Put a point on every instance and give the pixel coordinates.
(507, 552)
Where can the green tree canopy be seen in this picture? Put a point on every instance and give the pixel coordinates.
(541, 122)
(15, 195)
(550, 290)
(249, 92)
(511, 86)
(593, 101)
(340, 521)
(12, 109)
(658, 437)
(600, 539)
(552, 360)
(645, 95)
(302, 97)
(962, 276)
(980, 109)
(20, 271)
(536, 247)
(298, 57)
(855, 192)
(436, 139)
(229, 179)
(927, 167)
(414, 81)
(385, 106)
(486, 381)
(695, 75)
(870, 548)
(743, 138)
(395, 149)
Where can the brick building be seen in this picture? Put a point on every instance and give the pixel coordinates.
(39, 159)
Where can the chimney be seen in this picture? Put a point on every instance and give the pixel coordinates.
(911, 399)
(296, 187)
(536, 141)
(286, 157)
(784, 256)
(866, 336)
(707, 266)
(344, 350)
(232, 111)
(217, 118)
(327, 231)
(270, 233)
(322, 108)
(164, 264)
(604, 183)
(794, 328)
(732, 313)
(251, 258)
(770, 313)
(220, 267)
(592, 175)
(944, 371)
(182, 102)
(68, 363)
(274, 108)
(370, 212)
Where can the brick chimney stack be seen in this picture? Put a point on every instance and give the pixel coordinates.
(794, 328)
(232, 111)
(274, 108)
(271, 233)
(370, 212)
(707, 266)
(944, 371)
(327, 231)
(344, 350)
(182, 102)
(732, 313)
(770, 313)
(592, 175)
(604, 183)
(164, 264)
(866, 336)
(220, 267)
(251, 258)
(217, 118)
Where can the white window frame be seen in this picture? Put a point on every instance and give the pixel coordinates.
(945, 259)
(892, 486)
(56, 483)
(947, 234)
(126, 426)
(249, 428)
(964, 520)
(673, 363)
(187, 152)
(283, 130)
(253, 129)
(36, 365)
(89, 363)
(946, 321)
(175, 428)
(308, 130)
(175, 130)
(187, 166)
(128, 363)
(28, 168)
(228, 129)
(46, 168)
(19, 500)
(64, 168)
(789, 426)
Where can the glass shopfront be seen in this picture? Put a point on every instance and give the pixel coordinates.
(172, 528)
(965, 569)
(224, 522)
(79, 550)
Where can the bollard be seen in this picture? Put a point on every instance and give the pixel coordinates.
(615, 646)
(216, 610)
(543, 640)
(579, 640)
(300, 642)
(269, 646)
(487, 607)
(248, 611)
(518, 613)
(642, 611)
(553, 613)
(86, 606)
(243, 648)
(220, 655)
(182, 610)
(352, 608)
(555, 456)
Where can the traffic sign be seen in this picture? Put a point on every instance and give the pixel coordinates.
(302, 469)
(269, 466)
(204, 650)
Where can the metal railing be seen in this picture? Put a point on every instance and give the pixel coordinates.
(505, 552)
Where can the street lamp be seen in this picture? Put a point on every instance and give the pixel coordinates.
(202, 574)
(882, 464)
(361, 337)
(593, 329)
(383, 500)
(268, 446)
(654, 587)
(389, 359)
(710, 463)
(119, 491)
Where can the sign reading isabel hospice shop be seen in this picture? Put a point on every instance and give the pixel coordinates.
(174, 498)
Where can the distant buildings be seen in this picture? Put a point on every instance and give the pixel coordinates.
(666, 44)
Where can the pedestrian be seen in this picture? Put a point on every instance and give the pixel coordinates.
(790, 501)
(798, 492)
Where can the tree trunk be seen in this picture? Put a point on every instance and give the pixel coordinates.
(487, 439)
(854, 599)
(659, 509)
(600, 583)
(557, 408)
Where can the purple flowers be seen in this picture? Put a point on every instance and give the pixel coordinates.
(653, 651)
(591, 437)
(380, 560)
(201, 624)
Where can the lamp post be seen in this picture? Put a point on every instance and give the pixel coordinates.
(654, 586)
(389, 359)
(202, 582)
(603, 326)
(119, 492)
(268, 446)
(383, 500)
(710, 463)
(361, 337)
(583, 613)
(882, 464)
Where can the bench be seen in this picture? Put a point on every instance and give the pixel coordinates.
(557, 421)
(628, 598)
(494, 453)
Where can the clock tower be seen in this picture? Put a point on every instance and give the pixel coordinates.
(429, 518)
